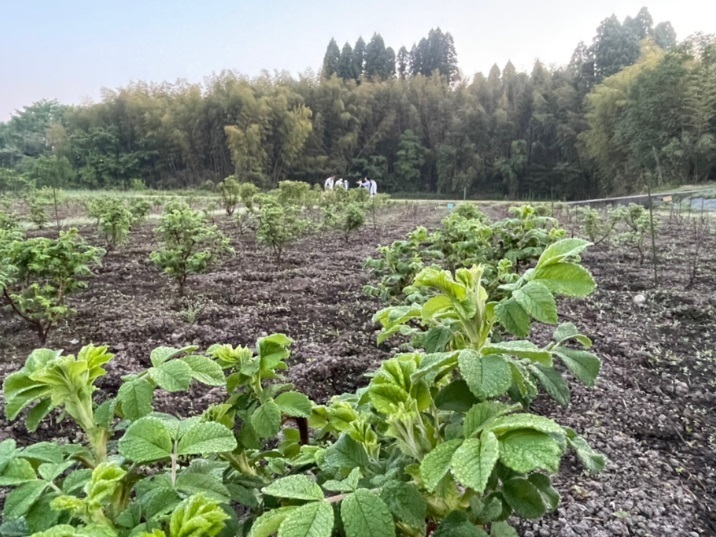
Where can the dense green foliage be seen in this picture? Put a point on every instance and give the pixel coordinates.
(431, 445)
(279, 225)
(188, 244)
(38, 274)
(405, 119)
(466, 237)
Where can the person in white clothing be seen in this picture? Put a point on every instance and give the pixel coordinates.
(373, 187)
(338, 184)
(345, 184)
(328, 184)
(365, 183)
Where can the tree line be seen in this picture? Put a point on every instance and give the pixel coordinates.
(633, 106)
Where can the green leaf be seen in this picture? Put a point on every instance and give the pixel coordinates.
(296, 487)
(136, 398)
(526, 450)
(561, 250)
(16, 472)
(205, 370)
(538, 301)
(456, 524)
(592, 460)
(174, 376)
(502, 529)
(553, 383)
(567, 331)
(266, 419)
(566, 279)
(197, 516)
(524, 497)
(583, 365)
(474, 460)
(406, 503)
(436, 339)
(161, 354)
(525, 421)
(206, 437)
(44, 451)
(436, 464)
(481, 415)
(209, 485)
(346, 453)
(365, 515)
(487, 376)
(311, 520)
(147, 439)
(434, 305)
(294, 404)
(20, 390)
(50, 471)
(520, 349)
(549, 494)
(37, 414)
(104, 413)
(513, 317)
(19, 500)
(456, 396)
(269, 522)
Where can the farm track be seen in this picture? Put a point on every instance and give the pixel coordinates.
(651, 412)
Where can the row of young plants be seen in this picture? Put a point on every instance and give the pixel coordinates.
(38, 274)
(441, 442)
(465, 238)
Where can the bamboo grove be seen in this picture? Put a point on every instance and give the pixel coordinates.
(634, 106)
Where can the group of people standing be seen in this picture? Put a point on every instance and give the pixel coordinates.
(368, 184)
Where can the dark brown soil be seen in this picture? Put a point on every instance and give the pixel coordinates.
(651, 412)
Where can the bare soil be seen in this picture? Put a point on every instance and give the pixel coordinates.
(651, 412)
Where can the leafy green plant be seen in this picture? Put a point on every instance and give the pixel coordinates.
(279, 225)
(140, 209)
(39, 274)
(115, 221)
(37, 215)
(293, 193)
(189, 244)
(105, 488)
(595, 226)
(638, 225)
(247, 192)
(230, 190)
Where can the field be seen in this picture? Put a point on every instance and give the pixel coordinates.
(651, 412)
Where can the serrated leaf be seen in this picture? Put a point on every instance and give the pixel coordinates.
(161, 354)
(159, 501)
(269, 522)
(51, 471)
(436, 464)
(104, 413)
(19, 500)
(76, 480)
(346, 453)
(538, 302)
(147, 439)
(524, 497)
(295, 487)
(365, 515)
(204, 438)
(16, 472)
(205, 370)
(481, 415)
(406, 503)
(549, 494)
(456, 396)
(210, 486)
(456, 524)
(526, 450)
(502, 529)
(514, 422)
(37, 414)
(592, 460)
(474, 460)
(487, 376)
(436, 339)
(136, 398)
(44, 451)
(513, 317)
(174, 376)
(266, 419)
(567, 331)
(566, 279)
(552, 382)
(583, 365)
(294, 404)
(520, 349)
(435, 304)
(311, 520)
(561, 250)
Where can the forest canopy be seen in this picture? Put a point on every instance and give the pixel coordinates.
(633, 106)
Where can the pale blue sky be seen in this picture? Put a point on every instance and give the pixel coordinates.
(69, 49)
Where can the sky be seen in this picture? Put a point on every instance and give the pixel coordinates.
(70, 49)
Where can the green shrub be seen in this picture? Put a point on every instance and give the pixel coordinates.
(279, 225)
(188, 244)
(140, 209)
(230, 190)
(247, 193)
(39, 274)
(115, 221)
